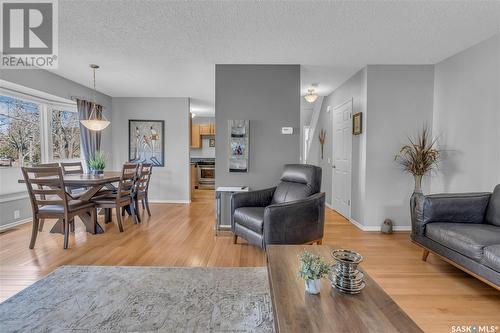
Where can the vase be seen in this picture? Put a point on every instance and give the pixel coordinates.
(313, 286)
(96, 172)
(418, 184)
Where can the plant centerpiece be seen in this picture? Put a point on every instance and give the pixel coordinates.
(419, 157)
(312, 268)
(97, 163)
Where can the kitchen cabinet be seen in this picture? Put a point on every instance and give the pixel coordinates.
(205, 129)
(194, 177)
(195, 136)
(212, 129)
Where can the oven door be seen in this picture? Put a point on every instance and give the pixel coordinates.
(206, 174)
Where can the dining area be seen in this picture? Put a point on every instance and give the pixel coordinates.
(64, 191)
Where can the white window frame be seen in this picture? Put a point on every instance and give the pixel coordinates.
(45, 107)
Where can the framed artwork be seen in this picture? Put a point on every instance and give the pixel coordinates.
(357, 123)
(211, 143)
(238, 145)
(146, 141)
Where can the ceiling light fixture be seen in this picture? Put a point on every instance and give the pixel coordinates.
(95, 123)
(311, 96)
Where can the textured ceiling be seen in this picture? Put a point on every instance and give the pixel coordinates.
(164, 48)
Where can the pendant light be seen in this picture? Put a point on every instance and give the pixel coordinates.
(94, 123)
(311, 96)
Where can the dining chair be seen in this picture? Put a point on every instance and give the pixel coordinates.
(142, 187)
(123, 195)
(45, 165)
(72, 168)
(49, 199)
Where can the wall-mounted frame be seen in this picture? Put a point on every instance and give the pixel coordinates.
(238, 131)
(211, 143)
(357, 123)
(146, 141)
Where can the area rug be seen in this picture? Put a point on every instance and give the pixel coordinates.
(142, 299)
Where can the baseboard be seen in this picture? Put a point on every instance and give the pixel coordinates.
(372, 228)
(14, 224)
(328, 205)
(171, 201)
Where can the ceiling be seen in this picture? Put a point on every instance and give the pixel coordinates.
(169, 49)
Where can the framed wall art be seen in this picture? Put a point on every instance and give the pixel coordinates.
(357, 123)
(238, 145)
(146, 141)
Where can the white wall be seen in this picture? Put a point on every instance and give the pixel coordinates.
(399, 101)
(171, 182)
(467, 119)
(353, 89)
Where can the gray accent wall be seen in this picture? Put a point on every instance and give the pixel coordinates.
(170, 183)
(13, 196)
(268, 96)
(467, 119)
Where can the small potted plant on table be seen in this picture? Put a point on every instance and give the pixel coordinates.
(97, 163)
(312, 268)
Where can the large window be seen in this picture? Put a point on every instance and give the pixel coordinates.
(33, 132)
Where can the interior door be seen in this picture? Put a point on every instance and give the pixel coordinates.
(342, 145)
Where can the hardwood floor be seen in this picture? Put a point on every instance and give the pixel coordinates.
(434, 294)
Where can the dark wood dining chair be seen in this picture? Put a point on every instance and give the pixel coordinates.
(49, 199)
(72, 168)
(45, 165)
(123, 195)
(142, 187)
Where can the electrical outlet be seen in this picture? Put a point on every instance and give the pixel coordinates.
(17, 214)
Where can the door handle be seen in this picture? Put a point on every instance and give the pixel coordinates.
(334, 166)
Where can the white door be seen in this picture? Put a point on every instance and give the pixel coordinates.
(342, 145)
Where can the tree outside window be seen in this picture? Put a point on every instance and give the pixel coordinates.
(19, 132)
(65, 130)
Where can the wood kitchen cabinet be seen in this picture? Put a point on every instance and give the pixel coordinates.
(205, 129)
(194, 177)
(195, 136)
(212, 129)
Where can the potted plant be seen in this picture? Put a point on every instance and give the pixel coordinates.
(418, 157)
(97, 163)
(312, 268)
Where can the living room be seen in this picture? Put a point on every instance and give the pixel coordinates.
(365, 133)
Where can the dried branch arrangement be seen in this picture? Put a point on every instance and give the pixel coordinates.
(419, 156)
(322, 139)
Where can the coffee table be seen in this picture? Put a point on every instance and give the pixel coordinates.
(331, 311)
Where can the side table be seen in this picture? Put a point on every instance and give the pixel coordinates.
(226, 190)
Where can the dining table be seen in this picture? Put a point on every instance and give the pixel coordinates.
(89, 185)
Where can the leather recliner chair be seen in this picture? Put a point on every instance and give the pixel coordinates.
(293, 212)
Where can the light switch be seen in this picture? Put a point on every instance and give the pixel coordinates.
(287, 130)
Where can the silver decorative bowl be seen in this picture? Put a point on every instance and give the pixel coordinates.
(344, 275)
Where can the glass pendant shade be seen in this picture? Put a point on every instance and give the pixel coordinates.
(311, 97)
(94, 123)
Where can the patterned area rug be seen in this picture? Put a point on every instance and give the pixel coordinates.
(142, 299)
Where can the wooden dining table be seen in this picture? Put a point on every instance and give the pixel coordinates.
(91, 185)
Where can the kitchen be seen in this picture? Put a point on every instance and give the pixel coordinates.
(202, 153)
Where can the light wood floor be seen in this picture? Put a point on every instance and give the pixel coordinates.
(435, 294)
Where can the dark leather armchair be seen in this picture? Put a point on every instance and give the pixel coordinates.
(293, 212)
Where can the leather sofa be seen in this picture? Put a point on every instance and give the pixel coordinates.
(293, 212)
(463, 229)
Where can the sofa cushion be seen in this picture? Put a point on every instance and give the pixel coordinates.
(298, 182)
(250, 217)
(493, 210)
(492, 257)
(468, 239)
(454, 208)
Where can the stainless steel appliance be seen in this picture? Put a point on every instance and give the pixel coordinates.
(206, 174)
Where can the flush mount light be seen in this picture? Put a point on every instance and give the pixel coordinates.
(95, 123)
(311, 96)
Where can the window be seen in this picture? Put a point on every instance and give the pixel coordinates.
(33, 132)
(65, 132)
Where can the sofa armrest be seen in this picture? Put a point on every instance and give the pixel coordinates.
(259, 198)
(452, 208)
(295, 222)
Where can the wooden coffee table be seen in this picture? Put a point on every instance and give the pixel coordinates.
(331, 311)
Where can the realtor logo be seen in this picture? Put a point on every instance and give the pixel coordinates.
(29, 34)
